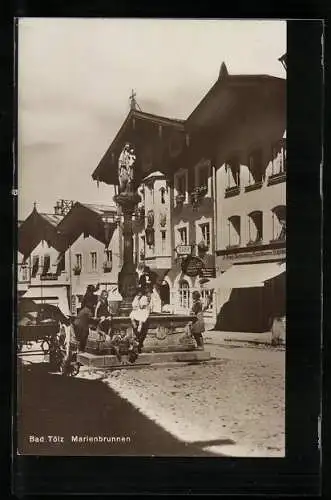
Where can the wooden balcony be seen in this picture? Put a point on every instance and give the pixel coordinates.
(232, 191)
(253, 187)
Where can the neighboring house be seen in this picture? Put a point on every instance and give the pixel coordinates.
(41, 246)
(93, 249)
(60, 255)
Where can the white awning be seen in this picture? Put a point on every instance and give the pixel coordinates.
(50, 293)
(247, 275)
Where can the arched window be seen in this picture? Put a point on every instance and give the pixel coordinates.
(184, 294)
(234, 231)
(162, 192)
(255, 227)
(279, 223)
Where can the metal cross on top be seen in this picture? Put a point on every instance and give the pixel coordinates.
(133, 102)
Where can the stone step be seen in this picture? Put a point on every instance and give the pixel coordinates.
(110, 361)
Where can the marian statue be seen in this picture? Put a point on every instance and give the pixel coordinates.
(125, 169)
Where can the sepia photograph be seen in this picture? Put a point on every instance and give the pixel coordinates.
(151, 237)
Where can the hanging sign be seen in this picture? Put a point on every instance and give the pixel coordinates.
(183, 250)
(192, 266)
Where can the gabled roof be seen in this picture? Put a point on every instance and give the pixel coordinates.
(38, 226)
(227, 92)
(52, 218)
(100, 209)
(87, 218)
(106, 171)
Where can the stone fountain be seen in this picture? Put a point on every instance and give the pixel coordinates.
(166, 336)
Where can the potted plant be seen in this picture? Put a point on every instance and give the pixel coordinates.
(77, 270)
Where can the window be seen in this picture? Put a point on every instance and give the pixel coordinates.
(60, 264)
(233, 173)
(205, 295)
(163, 241)
(203, 176)
(182, 232)
(79, 260)
(142, 247)
(25, 274)
(73, 305)
(93, 261)
(255, 227)
(205, 232)
(184, 294)
(255, 167)
(108, 256)
(162, 193)
(234, 231)
(47, 263)
(279, 157)
(279, 223)
(35, 265)
(181, 184)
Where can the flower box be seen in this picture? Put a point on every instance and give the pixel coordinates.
(77, 270)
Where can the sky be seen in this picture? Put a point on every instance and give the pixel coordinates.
(75, 77)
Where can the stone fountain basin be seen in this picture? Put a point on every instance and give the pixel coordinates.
(166, 333)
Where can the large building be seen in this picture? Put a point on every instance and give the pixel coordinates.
(63, 252)
(216, 181)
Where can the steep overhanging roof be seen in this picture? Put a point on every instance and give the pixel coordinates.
(106, 170)
(227, 94)
(37, 227)
(96, 220)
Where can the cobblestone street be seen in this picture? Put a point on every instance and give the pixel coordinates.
(234, 405)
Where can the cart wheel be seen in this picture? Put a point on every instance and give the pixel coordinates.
(45, 346)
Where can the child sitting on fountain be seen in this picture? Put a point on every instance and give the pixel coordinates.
(140, 310)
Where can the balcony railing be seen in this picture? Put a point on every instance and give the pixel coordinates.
(276, 178)
(252, 187)
(232, 191)
(253, 243)
(233, 245)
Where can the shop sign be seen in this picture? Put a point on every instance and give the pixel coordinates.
(183, 250)
(192, 266)
(257, 253)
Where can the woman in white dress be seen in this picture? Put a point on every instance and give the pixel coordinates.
(141, 308)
